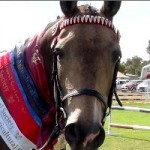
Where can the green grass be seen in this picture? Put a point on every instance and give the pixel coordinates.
(127, 139)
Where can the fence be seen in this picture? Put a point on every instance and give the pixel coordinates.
(133, 97)
(126, 126)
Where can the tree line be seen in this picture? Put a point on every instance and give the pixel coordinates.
(134, 65)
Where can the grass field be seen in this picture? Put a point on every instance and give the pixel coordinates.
(127, 139)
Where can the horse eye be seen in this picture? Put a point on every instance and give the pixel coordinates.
(116, 55)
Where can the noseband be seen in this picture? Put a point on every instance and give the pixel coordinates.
(59, 98)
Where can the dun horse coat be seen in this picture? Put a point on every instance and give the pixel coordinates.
(66, 76)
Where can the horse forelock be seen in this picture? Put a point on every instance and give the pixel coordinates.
(88, 10)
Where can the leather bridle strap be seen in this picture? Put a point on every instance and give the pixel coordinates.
(113, 87)
(88, 92)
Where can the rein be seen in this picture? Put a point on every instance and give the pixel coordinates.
(61, 115)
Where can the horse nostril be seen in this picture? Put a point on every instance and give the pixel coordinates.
(77, 136)
(72, 133)
(100, 138)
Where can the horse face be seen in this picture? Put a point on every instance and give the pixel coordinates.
(86, 59)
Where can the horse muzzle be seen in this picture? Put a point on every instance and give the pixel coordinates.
(81, 137)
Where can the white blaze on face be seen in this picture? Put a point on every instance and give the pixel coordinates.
(68, 85)
(73, 117)
(96, 117)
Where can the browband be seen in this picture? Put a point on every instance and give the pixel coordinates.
(85, 19)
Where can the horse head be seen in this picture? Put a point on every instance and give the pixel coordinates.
(86, 51)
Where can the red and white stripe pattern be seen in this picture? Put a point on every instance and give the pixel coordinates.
(88, 19)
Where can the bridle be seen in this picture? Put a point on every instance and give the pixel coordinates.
(58, 96)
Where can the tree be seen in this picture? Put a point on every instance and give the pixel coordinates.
(134, 65)
(122, 67)
(145, 62)
(148, 49)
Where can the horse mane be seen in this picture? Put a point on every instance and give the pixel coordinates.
(52, 23)
(88, 9)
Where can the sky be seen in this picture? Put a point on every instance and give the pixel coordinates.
(22, 19)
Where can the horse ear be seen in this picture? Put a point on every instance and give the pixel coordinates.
(110, 8)
(68, 7)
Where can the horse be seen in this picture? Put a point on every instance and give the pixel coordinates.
(67, 77)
